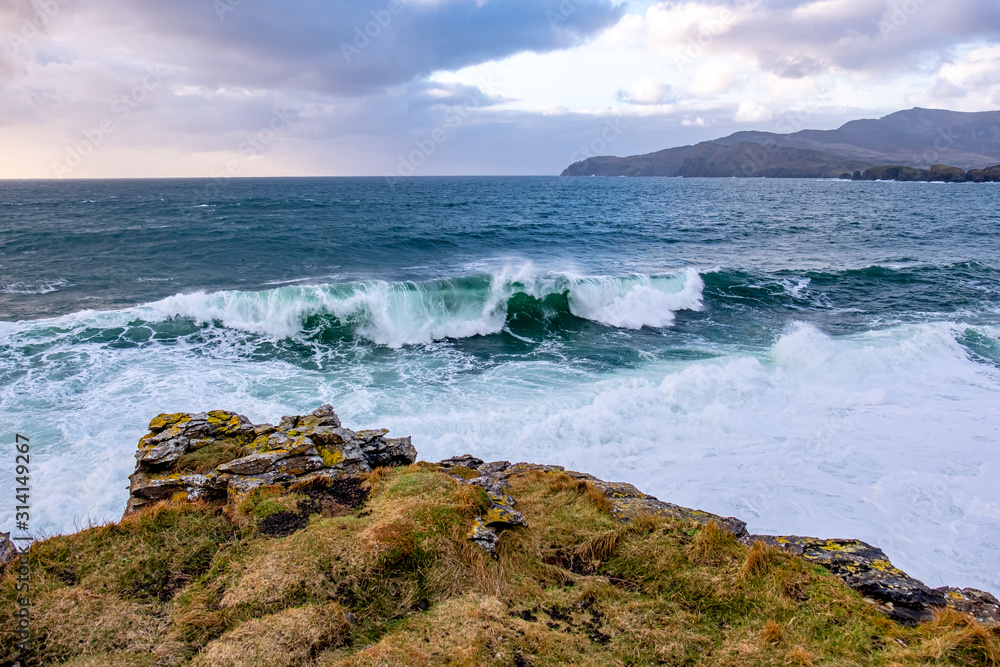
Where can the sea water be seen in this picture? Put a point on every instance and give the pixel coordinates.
(815, 357)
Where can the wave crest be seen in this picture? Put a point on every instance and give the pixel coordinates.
(409, 313)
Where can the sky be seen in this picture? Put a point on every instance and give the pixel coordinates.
(231, 88)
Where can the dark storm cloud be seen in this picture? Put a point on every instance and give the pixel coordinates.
(345, 48)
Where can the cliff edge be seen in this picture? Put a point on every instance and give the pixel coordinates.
(308, 543)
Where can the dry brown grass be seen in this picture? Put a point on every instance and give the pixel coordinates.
(76, 621)
(600, 547)
(289, 638)
(174, 585)
(756, 562)
(959, 636)
(714, 545)
(800, 658)
(771, 634)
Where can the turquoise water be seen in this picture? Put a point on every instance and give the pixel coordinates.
(815, 357)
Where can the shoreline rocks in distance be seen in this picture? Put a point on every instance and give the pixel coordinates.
(938, 173)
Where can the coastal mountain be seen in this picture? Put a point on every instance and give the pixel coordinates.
(916, 137)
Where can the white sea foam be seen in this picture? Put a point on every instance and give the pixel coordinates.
(34, 287)
(632, 303)
(889, 436)
(409, 313)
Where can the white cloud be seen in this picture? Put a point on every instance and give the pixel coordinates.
(678, 71)
(969, 83)
(647, 91)
(750, 112)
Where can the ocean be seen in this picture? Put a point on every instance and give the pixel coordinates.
(815, 357)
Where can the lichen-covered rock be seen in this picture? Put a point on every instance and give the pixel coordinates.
(484, 537)
(867, 570)
(238, 456)
(981, 605)
(501, 513)
(464, 461)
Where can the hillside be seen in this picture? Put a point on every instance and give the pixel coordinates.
(916, 137)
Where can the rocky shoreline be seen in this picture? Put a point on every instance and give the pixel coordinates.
(266, 505)
(315, 449)
(938, 173)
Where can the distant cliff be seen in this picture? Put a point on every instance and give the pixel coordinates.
(917, 137)
(764, 160)
(937, 173)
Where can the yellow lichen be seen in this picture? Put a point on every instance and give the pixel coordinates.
(331, 457)
(162, 421)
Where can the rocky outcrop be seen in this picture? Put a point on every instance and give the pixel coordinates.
(868, 570)
(861, 566)
(501, 514)
(221, 456)
(988, 175)
(941, 173)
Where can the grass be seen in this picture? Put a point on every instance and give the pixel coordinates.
(207, 458)
(396, 582)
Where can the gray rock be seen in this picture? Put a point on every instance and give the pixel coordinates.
(8, 551)
(493, 468)
(983, 606)
(309, 447)
(484, 537)
(464, 461)
(867, 570)
(382, 452)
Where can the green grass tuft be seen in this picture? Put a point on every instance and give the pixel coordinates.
(396, 582)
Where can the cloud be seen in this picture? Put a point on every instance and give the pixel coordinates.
(647, 91)
(969, 82)
(338, 47)
(358, 82)
(798, 38)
